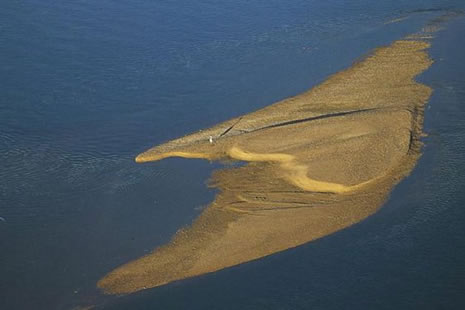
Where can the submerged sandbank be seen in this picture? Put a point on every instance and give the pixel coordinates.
(317, 163)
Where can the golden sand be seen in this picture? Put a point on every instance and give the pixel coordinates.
(317, 163)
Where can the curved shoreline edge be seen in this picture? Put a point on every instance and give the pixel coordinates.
(317, 163)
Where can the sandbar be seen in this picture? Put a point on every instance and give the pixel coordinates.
(315, 163)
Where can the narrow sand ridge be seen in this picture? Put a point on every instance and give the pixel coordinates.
(317, 163)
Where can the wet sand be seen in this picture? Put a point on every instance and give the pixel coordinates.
(316, 163)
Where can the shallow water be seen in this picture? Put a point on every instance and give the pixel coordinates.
(87, 86)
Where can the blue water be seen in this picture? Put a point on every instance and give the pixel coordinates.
(87, 85)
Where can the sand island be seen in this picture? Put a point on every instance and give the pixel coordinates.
(315, 163)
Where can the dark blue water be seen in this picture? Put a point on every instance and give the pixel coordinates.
(85, 86)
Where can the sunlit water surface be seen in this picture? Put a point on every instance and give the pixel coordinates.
(85, 86)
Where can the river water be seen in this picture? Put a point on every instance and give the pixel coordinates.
(86, 86)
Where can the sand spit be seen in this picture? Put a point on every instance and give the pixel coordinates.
(317, 163)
